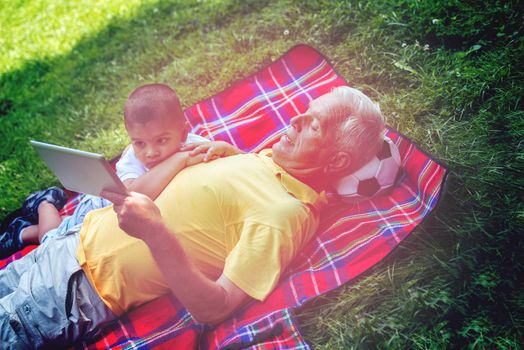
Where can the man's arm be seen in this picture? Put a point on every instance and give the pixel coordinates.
(156, 179)
(208, 301)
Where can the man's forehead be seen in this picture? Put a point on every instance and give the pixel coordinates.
(323, 106)
(327, 99)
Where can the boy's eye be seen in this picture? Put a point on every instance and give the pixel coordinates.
(162, 140)
(138, 144)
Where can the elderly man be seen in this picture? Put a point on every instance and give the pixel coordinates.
(218, 236)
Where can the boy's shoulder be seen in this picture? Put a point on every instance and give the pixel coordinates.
(128, 156)
(129, 148)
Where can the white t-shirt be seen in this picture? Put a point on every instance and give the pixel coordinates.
(129, 167)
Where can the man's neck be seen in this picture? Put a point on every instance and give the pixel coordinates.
(314, 178)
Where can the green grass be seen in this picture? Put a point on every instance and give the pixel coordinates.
(454, 283)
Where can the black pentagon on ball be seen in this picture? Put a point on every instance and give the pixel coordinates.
(385, 151)
(368, 187)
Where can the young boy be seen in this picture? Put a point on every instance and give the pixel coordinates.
(156, 126)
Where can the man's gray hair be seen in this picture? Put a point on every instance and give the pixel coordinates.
(358, 125)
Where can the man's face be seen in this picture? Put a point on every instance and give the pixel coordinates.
(156, 140)
(305, 145)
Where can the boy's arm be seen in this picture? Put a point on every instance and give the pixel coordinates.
(156, 179)
(211, 150)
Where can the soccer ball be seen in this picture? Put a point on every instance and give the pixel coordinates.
(375, 178)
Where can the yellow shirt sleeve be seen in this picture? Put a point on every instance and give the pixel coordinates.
(258, 259)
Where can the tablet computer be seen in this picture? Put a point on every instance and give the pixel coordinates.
(80, 171)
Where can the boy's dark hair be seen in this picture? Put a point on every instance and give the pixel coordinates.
(152, 101)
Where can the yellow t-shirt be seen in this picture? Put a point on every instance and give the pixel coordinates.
(243, 216)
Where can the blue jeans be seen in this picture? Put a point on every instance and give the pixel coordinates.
(87, 204)
(46, 299)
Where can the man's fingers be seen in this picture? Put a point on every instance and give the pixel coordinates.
(115, 198)
(117, 208)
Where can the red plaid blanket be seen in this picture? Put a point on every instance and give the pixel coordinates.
(252, 114)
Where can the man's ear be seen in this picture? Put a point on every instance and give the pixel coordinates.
(337, 162)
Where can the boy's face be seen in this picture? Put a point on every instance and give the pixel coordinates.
(156, 140)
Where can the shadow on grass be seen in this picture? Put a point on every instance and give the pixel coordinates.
(69, 98)
(34, 97)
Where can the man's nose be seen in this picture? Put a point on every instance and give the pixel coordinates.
(296, 122)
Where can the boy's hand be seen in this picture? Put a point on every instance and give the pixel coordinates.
(211, 150)
(189, 159)
(192, 160)
(186, 157)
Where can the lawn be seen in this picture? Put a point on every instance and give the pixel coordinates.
(447, 74)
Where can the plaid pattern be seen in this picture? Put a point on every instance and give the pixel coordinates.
(253, 114)
(70, 206)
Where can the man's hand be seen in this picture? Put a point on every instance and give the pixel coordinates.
(211, 150)
(137, 214)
